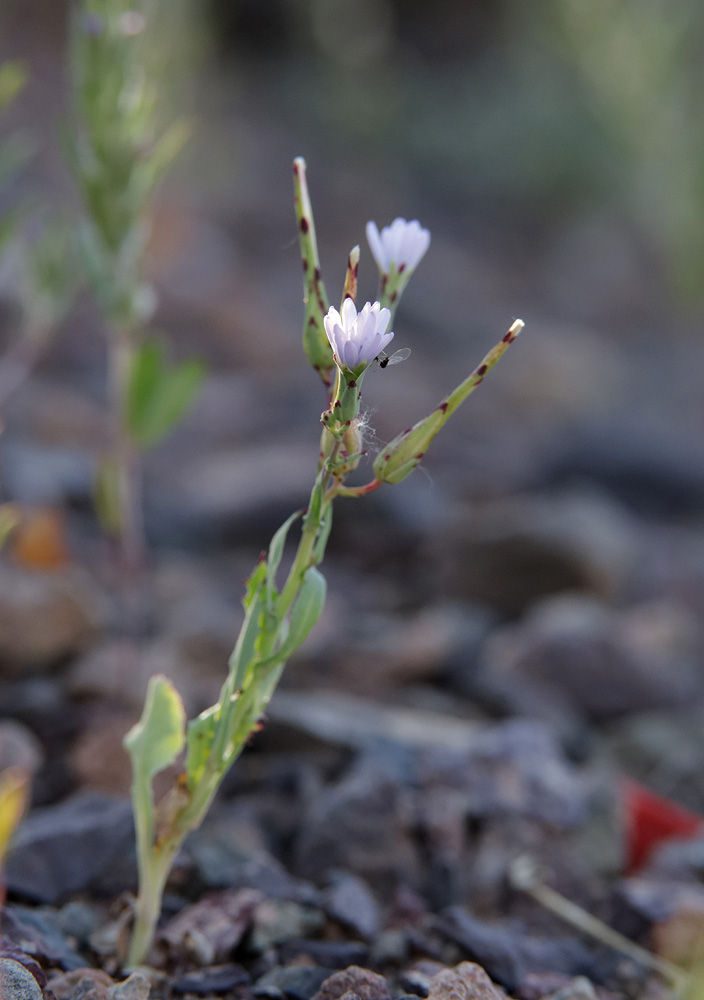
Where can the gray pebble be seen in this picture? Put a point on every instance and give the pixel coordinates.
(16, 983)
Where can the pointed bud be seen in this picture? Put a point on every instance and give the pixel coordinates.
(350, 289)
(399, 458)
(315, 342)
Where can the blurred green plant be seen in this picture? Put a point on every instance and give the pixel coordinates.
(41, 269)
(641, 65)
(119, 157)
(341, 347)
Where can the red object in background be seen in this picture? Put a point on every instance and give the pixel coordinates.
(650, 820)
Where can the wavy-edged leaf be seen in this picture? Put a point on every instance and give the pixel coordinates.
(158, 738)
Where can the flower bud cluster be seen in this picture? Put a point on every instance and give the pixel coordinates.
(348, 341)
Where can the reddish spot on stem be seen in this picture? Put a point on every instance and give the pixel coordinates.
(317, 274)
(482, 370)
(508, 337)
(418, 457)
(304, 225)
(402, 268)
(442, 407)
(305, 264)
(351, 384)
(393, 297)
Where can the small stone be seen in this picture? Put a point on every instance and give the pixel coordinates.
(17, 954)
(296, 982)
(45, 617)
(81, 984)
(466, 981)
(65, 985)
(79, 920)
(508, 952)
(365, 984)
(579, 988)
(216, 979)
(276, 921)
(19, 747)
(16, 982)
(330, 954)
(210, 929)
(390, 946)
(135, 987)
(349, 901)
(417, 980)
(36, 929)
(359, 825)
(85, 843)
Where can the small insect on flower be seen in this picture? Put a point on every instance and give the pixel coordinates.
(385, 359)
(357, 338)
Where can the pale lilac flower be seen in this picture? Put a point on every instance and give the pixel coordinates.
(357, 338)
(402, 244)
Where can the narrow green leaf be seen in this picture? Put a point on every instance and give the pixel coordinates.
(276, 551)
(323, 535)
(199, 741)
(158, 738)
(246, 646)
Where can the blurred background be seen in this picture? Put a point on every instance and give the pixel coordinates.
(548, 560)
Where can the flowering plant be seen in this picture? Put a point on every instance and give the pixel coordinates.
(341, 346)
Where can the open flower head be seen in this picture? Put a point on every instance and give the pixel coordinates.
(357, 338)
(400, 245)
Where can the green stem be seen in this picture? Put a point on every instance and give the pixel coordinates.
(151, 869)
(130, 541)
(156, 856)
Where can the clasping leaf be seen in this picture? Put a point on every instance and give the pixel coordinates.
(158, 738)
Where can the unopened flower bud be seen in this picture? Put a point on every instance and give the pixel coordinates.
(315, 342)
(399, 458)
